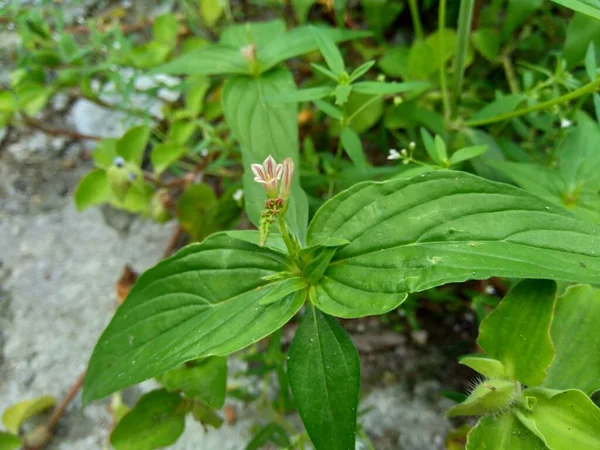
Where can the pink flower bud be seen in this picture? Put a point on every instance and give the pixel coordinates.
(287, 177)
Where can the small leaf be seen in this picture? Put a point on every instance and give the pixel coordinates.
(181, 131)
(209, 60)
(105, 152)
(329, 109)
(488, 367)
(9, 441)
(487, 42)
(15, 415)
(576, 341)
(353, 146)
(421, 63)
(206, 415)
(590, 61)
(93, 189)
(380, 88)
(430, 146)
(157, 420)
(133, 143)
(467, 153)
(440, 149)
(211, 11)
(330, 52)
(205, 379)
(164, 155)
(302, 95)
(517, 332)
(276, 291)
(165, 29)
(361, 70)
(342, 92)
(503, 432)
(272, 432)
(499, 106)
(325, 71)
(194, 100)
(563, 420)
(324, 374)
(196, 210)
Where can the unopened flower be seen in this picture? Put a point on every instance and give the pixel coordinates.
(565, 123)
(268, 174)
(393, 155)
(249, 52)
(287, 175)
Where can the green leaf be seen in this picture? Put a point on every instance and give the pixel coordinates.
(443, 227)
(325, 71)
(576, 340)
(165, 29)
(7, 101)
(197, 89)
(330, 52)
(395, 62)
(132, 144)
(157, 420)
(421, 60)
(487, 42)
(364, 117)
(186, 308)
(105, 152)
(205, 379)
(197, 209)
(272, 432)
(488, 367)
(467, 153)
(15, 415)
(282, 289)
(342, 92)
(302, 95)
(564, 420)
(440, 149)
(517, 332)
(330, 110)
(210, 60)
(353, 146)
(381, 13)
(590, 62)
(517, 13)
(376, 87)
(430, 146)
(265, 129)
(580, 32)
(257, 33)
(205, 414)
(93, 189)
(502, 433)
(9, 441)
(181, 131)
(537, 179)
(488, 397)
(301, 9)
(211, 11)
(324, 374)
(499, 106)
(165, 154)
(588, 7)
(361, 70)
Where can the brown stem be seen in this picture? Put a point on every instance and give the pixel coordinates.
(30, 121)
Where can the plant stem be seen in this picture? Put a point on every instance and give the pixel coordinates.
(465, 19)
(338, 158)
(360, 109)
(30, 121)
(441, 52)
(509, 71)
(285, 234)
(416, 19)
(584, 90)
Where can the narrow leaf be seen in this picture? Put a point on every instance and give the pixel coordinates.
(329, 109)
(576, 340)
(302, 95)
(353, 146)
(430, 146)
(590, 61)
(467, 153)
(517, 332)
(185, 308)
(330, 52)
(361, 70)
(325, 71)
(209, 60)
(488, 367)
(277, 291)
(324, 373)
(440, 148)
(342, 92)
(442, 227)
(587, 7)
(376, 87)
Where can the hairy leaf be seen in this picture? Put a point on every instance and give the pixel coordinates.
(186, 308)
(442, 227)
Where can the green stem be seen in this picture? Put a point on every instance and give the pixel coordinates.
(465, 18)
(360, 109)
(338, 158)
(584, 90)
(287, 238)
(416, 19)
(443, 81)
(511, 77)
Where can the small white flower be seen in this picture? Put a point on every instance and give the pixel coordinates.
(204, 153)
(565, 123)
(393, 154)
(238, 195)
(490, 290)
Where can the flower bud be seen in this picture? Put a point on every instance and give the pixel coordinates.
(249, 52)
(488, 397)
(286, 179)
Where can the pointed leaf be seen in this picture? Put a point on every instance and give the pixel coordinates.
(165, 154)
(265, 129)
(211, 11)
(105, 152)
(588, 7)
(376, 87)
(156, 421)
(93, 189)
(517, 332)
(361, 70)
(576, 341)
(353, 146)
(502, 433)
(302, 95)
(590, 61)
(342, 92)
(464, 154)
(430, 146)
(488, 367)
(186, 308)
(329, 109)
(324, 373)
(442, 227)
(209, 60)
(325, 71)
(133, 143)
(14, 416)
(330, 52)
(282, 289)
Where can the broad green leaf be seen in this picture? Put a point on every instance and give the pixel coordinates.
(132, 144)
(517, 332)
(330, 52)
(375, 87)
(421, 60)
(165, 154)
(588, 7)
(213, 59)
(272, 432)
(517, 13)
(31, 97)
(364, 117)
(535, 178)
(576, 340)
(563, 420)
(187, 307)
(449, 46)
(395, 62)
(488, 367)
(443, 227)
(93, 189)
(302, 95)
(582, 30)
(157, 420)
(590, 62)
(9, 441)
(324, 374)
(211, 10)
(467, 153)
(502, 433)
(282, 289)
(353, 146)
(205, 379)
(265, 129)
(14, 416)
(105, 152)
(257, 33)
(342, 92)
(487, 42)
(494, 153)
(499, 106)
